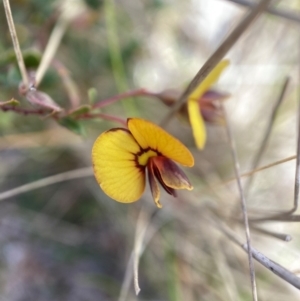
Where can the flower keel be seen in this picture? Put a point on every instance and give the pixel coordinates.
(168, 174)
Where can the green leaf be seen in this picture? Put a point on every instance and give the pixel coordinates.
(92, 93)
(12, 102)
(80, 110)
(31, 57)
(73, 125)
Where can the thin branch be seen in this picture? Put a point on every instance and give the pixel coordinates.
(103, 116)
(216, 57)
(243, 202)
(24, 111)
(297, 175)
(281, 236)
(109, 101)
(251, 172)
(15, 41)
(267, 134)
(62, 177)
(51, 48)
(69, 84)
(67, 14)
(282, 217)
(289, 15)
(141, 227)
(285, 215)
(274, 267)
(152, 228)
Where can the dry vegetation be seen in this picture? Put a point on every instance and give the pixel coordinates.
(61, 237)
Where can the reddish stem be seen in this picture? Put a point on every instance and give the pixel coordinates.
(23, 111)
(109, 101)
(104, 116)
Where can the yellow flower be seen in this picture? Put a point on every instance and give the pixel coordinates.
(195, 116)
(120, 159)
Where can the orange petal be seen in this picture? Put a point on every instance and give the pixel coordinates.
(148, 135)
(115, 166)
(170, 174)
(153, 184)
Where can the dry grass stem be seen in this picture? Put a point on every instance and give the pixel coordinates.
(243, 202)
(286, 216)
(267, 134)
(62, 177)
(141, 228)
(274, 11)
(274, 267)
(69, 84)
(282, 217)
(216, 57)
(281, 236)
(16, 44)
(142, 238)
(297, 175)
(251, 172)
(51, 48)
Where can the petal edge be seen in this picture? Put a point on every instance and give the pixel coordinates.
(149, 135)
(115, 167)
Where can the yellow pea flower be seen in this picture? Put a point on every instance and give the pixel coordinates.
(122, 156)
(196, 119)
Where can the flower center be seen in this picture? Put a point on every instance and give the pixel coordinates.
(145, 156)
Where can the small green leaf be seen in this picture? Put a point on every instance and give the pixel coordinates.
(32, 58)
(73, 125)
(94, 4)
(92, 93)
(12, 102)
(80, 110)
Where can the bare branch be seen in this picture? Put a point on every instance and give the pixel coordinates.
(51, 49)
(267, 134)
(282, 217)
(243, 202)
(289, 15)
(251, 172)
(297, 176)
(16, 44)
(152, 228)
(24, 111)
(274, 267)
(141, 227)
(281, 236)
(113, 99)
(62, 177)
(216, 57)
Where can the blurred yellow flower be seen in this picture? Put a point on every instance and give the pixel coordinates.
(120, 159)
(196, 119)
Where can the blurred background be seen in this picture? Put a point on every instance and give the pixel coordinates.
(69, 241)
